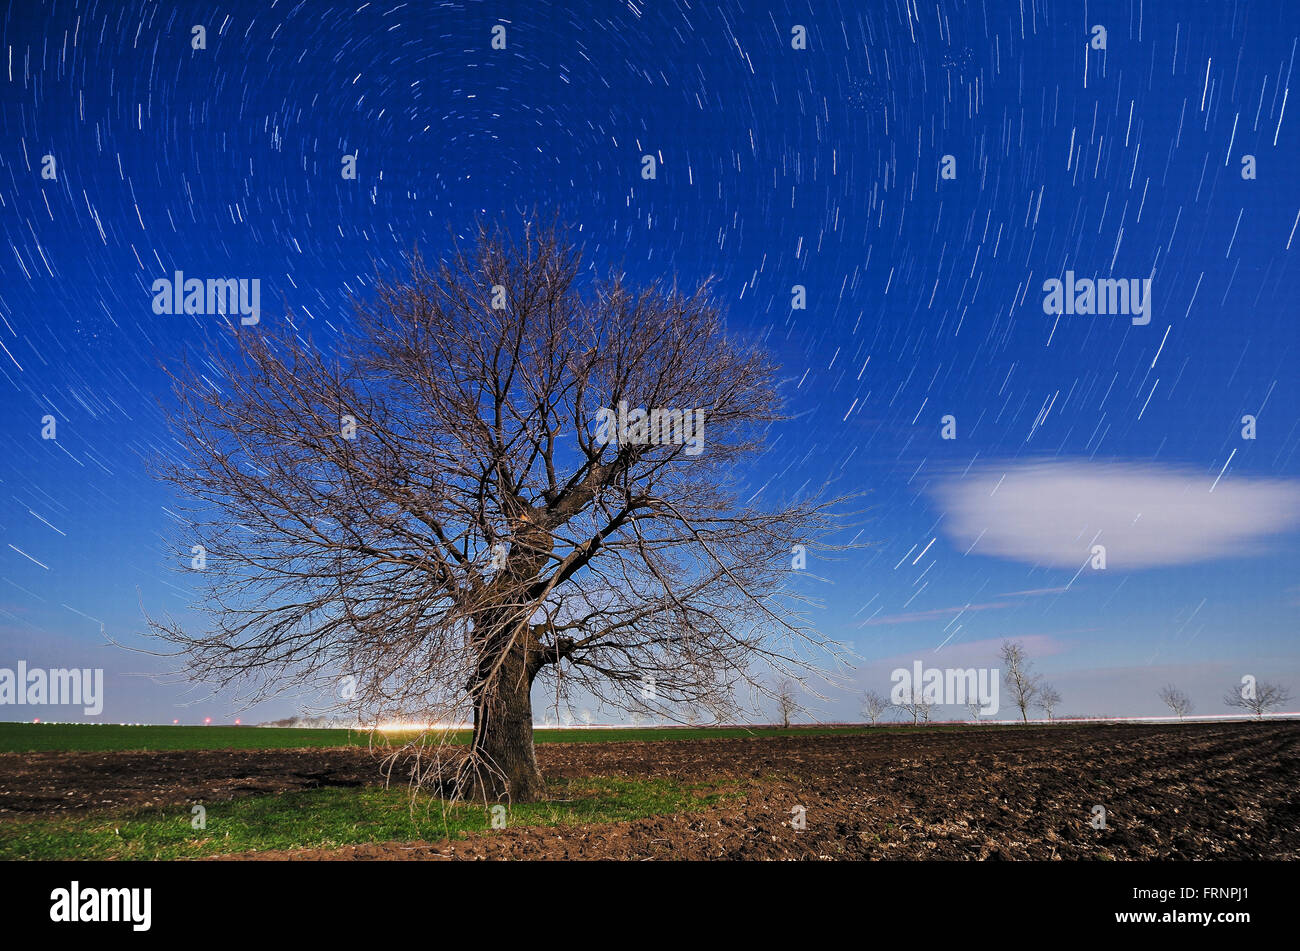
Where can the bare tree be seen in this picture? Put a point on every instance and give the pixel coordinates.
(1258, 698)
(1019, 678)
(918, 708)
(786, 704)
(446, 503)
(1048, 699)
(1175, 700)
(873, 706)
(975, 710)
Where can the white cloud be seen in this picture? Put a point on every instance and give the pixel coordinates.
(1052, 513)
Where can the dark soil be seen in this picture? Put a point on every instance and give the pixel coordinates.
(44, 783)
(1200, 791)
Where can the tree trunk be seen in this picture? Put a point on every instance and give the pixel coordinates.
(502, 756)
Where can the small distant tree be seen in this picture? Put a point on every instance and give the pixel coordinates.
(1019, 678)
(1048, 699)
(974, 710)
(785, 702)
(1175, 700)
(873, 706)
(918, 708)
(1260, 700)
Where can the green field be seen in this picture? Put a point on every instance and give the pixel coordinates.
(330, 818)
(29, 737)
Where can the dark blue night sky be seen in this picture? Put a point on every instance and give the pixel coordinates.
(777, 167)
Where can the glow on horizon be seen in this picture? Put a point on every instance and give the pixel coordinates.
(414, 727)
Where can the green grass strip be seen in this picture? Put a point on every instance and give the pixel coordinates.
(332, 817)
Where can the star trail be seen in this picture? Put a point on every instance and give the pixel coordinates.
(1029, 268)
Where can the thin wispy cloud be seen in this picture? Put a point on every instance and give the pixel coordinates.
(1034, 592)
(932, 614)
(1053, 513)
